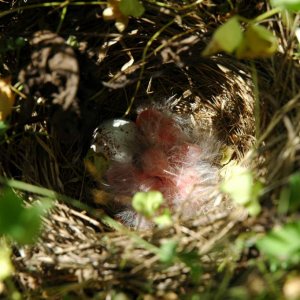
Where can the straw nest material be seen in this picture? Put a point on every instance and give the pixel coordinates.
(78, 252)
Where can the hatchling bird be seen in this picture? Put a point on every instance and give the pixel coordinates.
(158, 151)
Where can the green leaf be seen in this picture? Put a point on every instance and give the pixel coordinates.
(229, 35)
(21, 224)
(239, 185)
(147, 203)
(290, 195)
(72, 41)
(167, 251)
(3, 127)
(131, 8)
(291, 5)
(242, 189)
(258, 42)
(10, 210)
(6, 266)
(282, 246)
(30, 223)
(164, 220)
(192, 260)
(253, 208)
(294, 184)
(120, 296)
(20, 42)
(226, 38)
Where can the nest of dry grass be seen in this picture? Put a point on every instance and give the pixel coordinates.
(78, 253)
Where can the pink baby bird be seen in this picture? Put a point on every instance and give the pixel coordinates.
(157, 153)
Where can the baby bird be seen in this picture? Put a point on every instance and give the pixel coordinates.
(159, 151)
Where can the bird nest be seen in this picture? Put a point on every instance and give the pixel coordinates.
(82, 251)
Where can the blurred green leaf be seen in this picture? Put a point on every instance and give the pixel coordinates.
(239, 293)
(131, 8)
(291, 5)
(253, 208)
(192, 260)
(3, 127)
(10, 210)
(120, 296)
(282, 246)
(72, 41)
(6, 266)
(30, 223)
(255, 42)
(21, 224)
(163, 220)
(239, 185)
(12, 44)
(258, 42)
(290, 195)
(243, 189)
(226, 38)
(147, 203)
(20, 42)
(167, 251)
(294, 197)
(195, 297)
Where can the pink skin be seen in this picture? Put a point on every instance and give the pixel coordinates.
(169, 162)
(186, 181)
(158, 128)
(155, 162)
